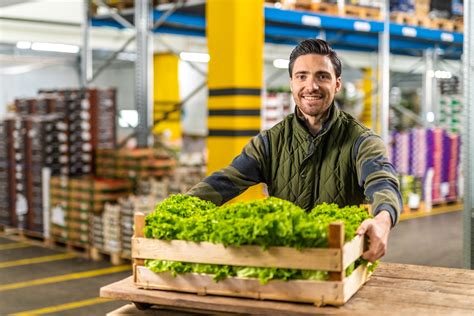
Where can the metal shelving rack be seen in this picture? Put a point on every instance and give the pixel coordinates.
(468, 137)
(288, 27)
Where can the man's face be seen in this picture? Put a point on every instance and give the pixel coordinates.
(314, 84)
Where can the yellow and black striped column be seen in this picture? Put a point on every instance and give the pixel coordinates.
(367, 85)
(235, 37)
(166, 95)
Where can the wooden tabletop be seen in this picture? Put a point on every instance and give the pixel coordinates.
(393, 289)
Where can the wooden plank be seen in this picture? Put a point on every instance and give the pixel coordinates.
(416, 272)
(139, 221)
(336, 240)
(431, 299)
(353, 283)
(428, 286)
(362, 306)
(318, 292)
(352, 250)
(205, 252)
(125, 290)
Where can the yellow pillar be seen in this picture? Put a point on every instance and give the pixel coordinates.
(235, 39)
(166, 95)
(367, 86)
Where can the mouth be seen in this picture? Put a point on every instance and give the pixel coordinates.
(312, 97)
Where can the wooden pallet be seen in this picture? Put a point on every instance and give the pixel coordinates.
(442, 24)
(362, 12)
(115, 259)
(325, 8)
(70, 246)
(410, 19)
(458, 26)
(334, 259)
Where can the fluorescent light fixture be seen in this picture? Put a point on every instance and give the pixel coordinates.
(128, 118)
(23, 45)
(440, 74)
(128, 56)
(51, 47)
(430, 117)
(195, 57)
(281, 63)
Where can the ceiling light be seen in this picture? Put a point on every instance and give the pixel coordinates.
(23, 45)
(281, 63)
(128, 118)
(60, 48)
(195, 57)
(440, 74)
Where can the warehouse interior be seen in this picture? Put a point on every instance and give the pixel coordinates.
(102, 118)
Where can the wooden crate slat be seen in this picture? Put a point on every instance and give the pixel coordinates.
(353, 282)
(205, 252)
(319, 292)
(352, 250)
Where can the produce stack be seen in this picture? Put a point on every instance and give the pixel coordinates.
(276, 106)
(112, 228)
(42, 150)
(20, 166)
(89, 117)
(133, 163)
(129, 206)
(79, 199)
(450, 105)
(7, 175)
(431, 156)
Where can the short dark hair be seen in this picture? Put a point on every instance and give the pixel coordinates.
(318, 47)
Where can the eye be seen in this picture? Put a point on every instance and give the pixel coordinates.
(323, 76)
(301, 77)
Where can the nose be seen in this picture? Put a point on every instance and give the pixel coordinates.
(312, 84)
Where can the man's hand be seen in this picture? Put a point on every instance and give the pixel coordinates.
(377, 229)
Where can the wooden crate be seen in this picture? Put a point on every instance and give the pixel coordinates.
(334, 259)
(362, 12)
(410, 19)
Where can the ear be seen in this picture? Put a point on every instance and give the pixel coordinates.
(338, 84)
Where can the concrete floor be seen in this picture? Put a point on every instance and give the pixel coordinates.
(434, 241)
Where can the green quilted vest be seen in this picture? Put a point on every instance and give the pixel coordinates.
(308, 170)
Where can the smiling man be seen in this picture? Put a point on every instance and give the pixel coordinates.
(318, 154)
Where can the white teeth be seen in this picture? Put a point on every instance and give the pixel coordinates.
(312, 98)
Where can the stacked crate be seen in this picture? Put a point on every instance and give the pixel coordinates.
(21, 172)
(111, 228)
(129, 206)
(7, 174)
(42, 150)
(89, 123)
(81, 198)
(133, 163)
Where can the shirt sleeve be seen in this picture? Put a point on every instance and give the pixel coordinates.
(246, 170)
(377, 176)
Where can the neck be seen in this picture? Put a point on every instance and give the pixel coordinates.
(314, 123)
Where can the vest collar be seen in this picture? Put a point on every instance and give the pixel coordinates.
(302, 130)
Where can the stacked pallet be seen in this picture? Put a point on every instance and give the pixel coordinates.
(120, 5)
(42, 150)
(277, 105)
(129, 207)
(74, 201)
(357, 9)
(89, 118)
(431, 156)
(133, 164)
(7, 175)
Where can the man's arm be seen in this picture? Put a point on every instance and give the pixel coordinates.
(378, 178)
(247, 169)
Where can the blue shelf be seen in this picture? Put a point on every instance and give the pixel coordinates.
(289, 27)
